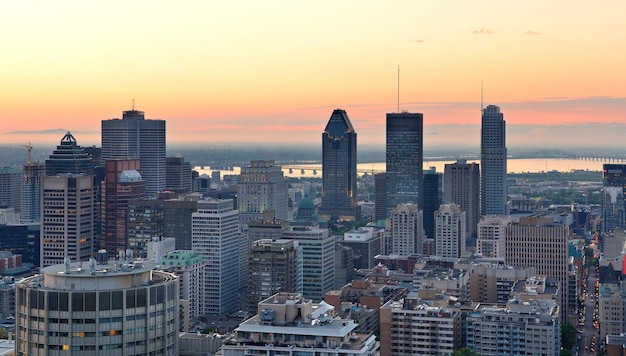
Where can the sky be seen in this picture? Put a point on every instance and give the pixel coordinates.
(273, 71)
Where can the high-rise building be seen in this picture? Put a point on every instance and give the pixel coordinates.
(189, 268)
(493, 156)
(274, 266)
(380, 196)
(177, 213)
(262, 187)
(339, 189)
(450, 231)
(69, 158)
(540, 243)
(10, 187)
(97, 309)
(433, 197)
(122, 183)
(405, 159)
(405, 230)
(613, 197)
(135, 137)
(318, 259)
(267, 228)
(68, 215)
(344, 265)
(366, 243)
(178, 175)
(491, 238)
(462, 187)
(145, 222)
(215, 233)
(32, 174)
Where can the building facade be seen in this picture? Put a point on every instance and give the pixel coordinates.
(491, 240)
(189, 268)
(493, 156)
(405, 230)
(450, 231)
(462, 187)
(262, 187)
(178, 175)
(10, 187)
(69, 158)
(613, 197)
(433, 198)
(145, 222)
(32, 174)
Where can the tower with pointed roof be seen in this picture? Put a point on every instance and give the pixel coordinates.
(69, 157)
(339, 189)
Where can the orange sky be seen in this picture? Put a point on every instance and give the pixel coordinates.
(252, 71)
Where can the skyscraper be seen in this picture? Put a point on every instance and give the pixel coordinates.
(69, 158)
(10, 187)
(450, 231)
(145, 222)
(433, 197)
(493, 155)
(462, 187)
(405, 159)
(178, 175)
(339, 190)
(262, 187)
(405, 230)
(613, 197)
(32, 173)
(135, 137)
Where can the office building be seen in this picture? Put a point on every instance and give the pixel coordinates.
(339, 189)
(122, 184)
(462, 187)
(433, 198)
(274, 266)
(540, 243)
(178, 175)
(177, 211)
(262, 187)
(267, 228)
(493, 156)
(366, 245)
(30, 199)
(613, 197)
(450, 231)
(10, 187)
(215, 233)
(68, 215)
(344, 265)
(491, 238)
(97, 309)
(318, 259)
(22, 239)
(134, 137)
(145, 222)
(405, 231)
(405, 159)
(189, 268)
(69, 158)
(380, 196)
(159, 247)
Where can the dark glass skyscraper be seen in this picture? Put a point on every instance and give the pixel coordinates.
(494, 191)
(405, 159)
(339, 191)
(613, 197)
(433, 197)
(69, 158)
(135, 137)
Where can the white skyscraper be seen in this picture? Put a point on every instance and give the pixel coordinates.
(450, 231)
(214, 236)
(405, 230)
(262, 187)
(493, 155)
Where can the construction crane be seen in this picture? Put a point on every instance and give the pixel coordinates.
(30, 148)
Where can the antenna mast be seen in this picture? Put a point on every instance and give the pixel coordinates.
(398, 88)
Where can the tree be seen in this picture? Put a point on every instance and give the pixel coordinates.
(466, 351)
(568, 336)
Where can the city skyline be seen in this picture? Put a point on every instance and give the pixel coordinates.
(250, 70)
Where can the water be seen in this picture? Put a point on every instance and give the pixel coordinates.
(532, 165)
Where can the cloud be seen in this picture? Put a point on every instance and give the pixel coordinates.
(532, 33)
(419, 40)
(482, 31)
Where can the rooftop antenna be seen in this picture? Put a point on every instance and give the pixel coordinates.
(398, 88)
(133, 104)
(481, 96)
(30, 148)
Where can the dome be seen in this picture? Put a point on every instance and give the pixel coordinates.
(130, 176)
(306, 203)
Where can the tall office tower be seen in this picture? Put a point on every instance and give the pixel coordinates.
(494, 190)
(30, 200)
(613, 197)
(380, 196)
(97, 309)
(122, 183)
(491, 238)
(540, 243)
(450, 231)
(318, 259)
(68, 215)
(274, 266)
(262, 187)
(10, 187)
(462, 187)
(405, 230)
(69, 158)
(135, 137)
(145, 222)
(178, 175)
(405, 159)
(177, 217)
(189, 268)
(215, 233)
(339, 190)
(433, 197)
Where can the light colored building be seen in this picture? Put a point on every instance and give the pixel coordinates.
(262, 187)
(119, 308)
(461, 185)
(491, 238)
(318, 259)
(10, 187)
(68, 215)
(215, 233)
(287, 324)
(189, 268)
(159, 247)
(405, 230)
(493, 156)
(611, 302)
(32, 174)
(450, 231)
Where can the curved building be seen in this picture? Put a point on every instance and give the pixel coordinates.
(89, 309)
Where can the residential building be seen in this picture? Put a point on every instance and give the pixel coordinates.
(491, 238)
(404, 230)
(493, 156)
(266, 228)
(189, 268)
(462, 187)
(450, 231)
